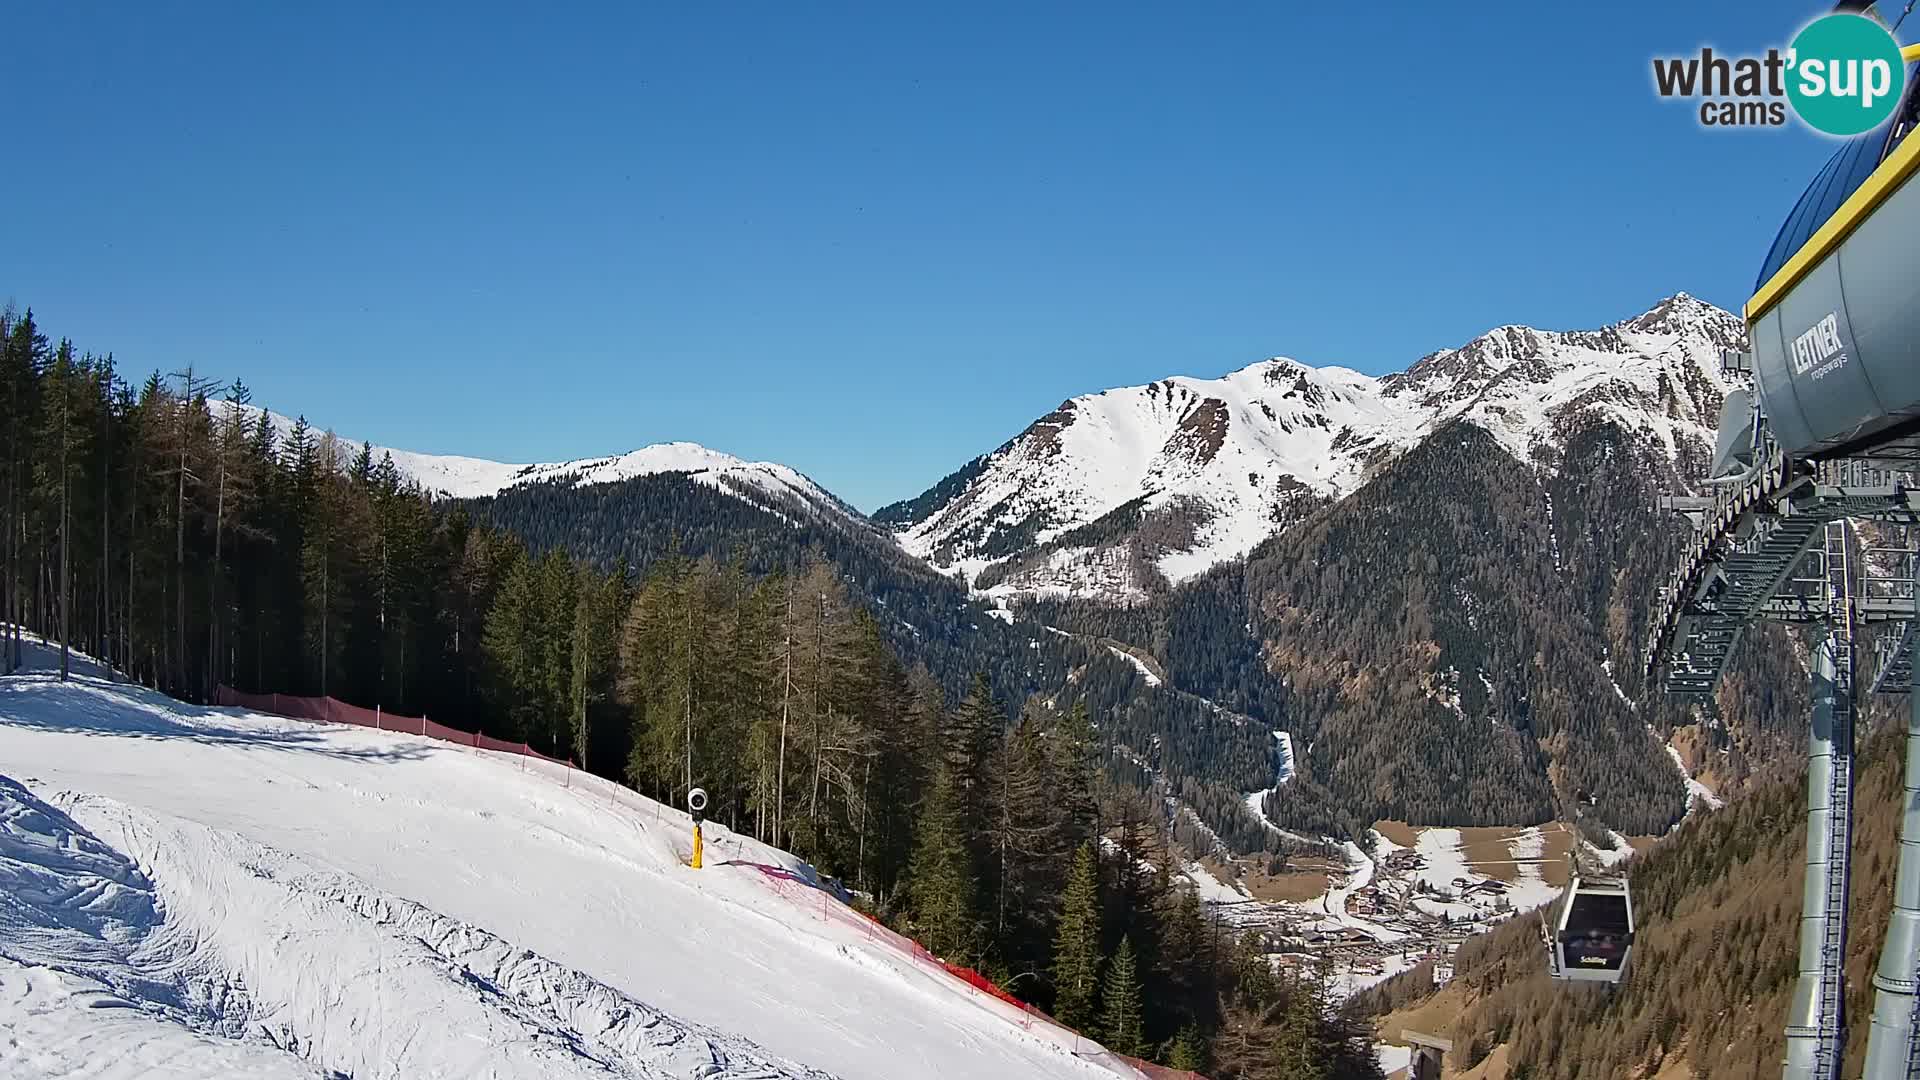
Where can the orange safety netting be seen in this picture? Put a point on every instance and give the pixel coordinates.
(327, 710)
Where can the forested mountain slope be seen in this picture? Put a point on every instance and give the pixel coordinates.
(1718, 907)
(1457, 642)
(1206, 757)
(1453, 641)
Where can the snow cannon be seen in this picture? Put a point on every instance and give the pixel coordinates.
(697, 807)
(1834, 321)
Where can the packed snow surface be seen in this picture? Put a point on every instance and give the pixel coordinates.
(197, 892)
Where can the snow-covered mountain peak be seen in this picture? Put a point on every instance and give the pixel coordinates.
(764, 483)
(1186, 472)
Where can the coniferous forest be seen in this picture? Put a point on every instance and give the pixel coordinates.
(168, 528)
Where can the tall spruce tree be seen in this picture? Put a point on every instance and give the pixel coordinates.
(598, 604)
(1076, 947)
(942, 885)
(1073, 751)
(1187, 1050)
(1122, 1027)
(970, 747)
(1186, 987)
(1030, 842)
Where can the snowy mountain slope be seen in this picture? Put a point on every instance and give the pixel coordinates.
(763, 483)
(219, 893)
(1114, 491)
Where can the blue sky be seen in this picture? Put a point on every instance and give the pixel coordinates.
(870, 242)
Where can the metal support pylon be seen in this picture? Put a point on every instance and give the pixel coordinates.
(1833, 953)
(1816, 1026)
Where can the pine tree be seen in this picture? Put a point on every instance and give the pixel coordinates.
(1297, 1036)
(1136, 876)
(56, 471)
(556, 599)
(1186, 962)
(1029, 841)
(1254, 982)
(326, 566)
(660, 643)
(21, 354)
(941, 881)
(597, 607)
(824, 640)
(1076, 948)
(232, 484)
(1121, 1024)
(530, 651)
(970, 747)
(1188, 1051)
(1074, 754)
(902, 773)
(765, 725)
(187, 443)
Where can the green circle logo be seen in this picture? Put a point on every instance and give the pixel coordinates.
(1845, 74)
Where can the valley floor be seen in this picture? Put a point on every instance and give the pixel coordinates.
(198, 892)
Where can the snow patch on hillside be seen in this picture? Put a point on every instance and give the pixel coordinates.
(1285, 767)
(1620, 850)
(1527, 847)
(1697, 792)
(1284, 770)
(1211, 889)
(1139, 665)
(1446, 860)
(1607, 667)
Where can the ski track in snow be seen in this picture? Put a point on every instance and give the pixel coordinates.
(243, 940)
(194, 892)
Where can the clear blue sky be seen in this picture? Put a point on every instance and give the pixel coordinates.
(868, 242)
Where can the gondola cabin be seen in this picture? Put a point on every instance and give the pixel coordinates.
(1834, 321)
(1594, 936)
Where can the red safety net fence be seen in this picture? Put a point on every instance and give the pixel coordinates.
(326, 710)
(809, 895)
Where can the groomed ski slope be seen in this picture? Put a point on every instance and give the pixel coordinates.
(197, 892)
